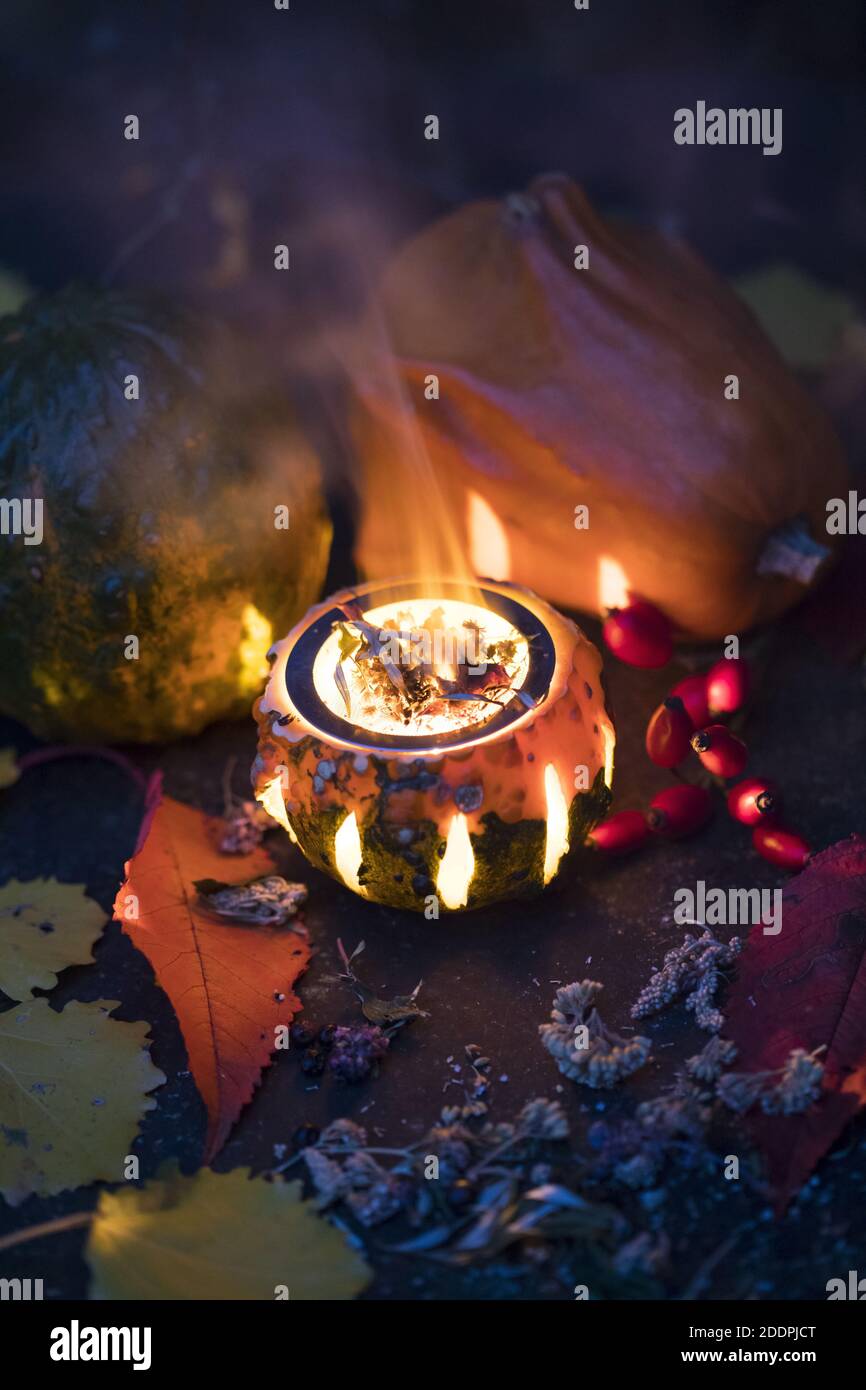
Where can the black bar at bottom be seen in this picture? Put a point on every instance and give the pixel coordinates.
(63, 1339)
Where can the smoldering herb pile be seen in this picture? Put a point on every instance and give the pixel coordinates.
(412, 672)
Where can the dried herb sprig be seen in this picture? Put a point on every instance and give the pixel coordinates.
(634, 1152)
(388, 1014)
(246, 822)
(786, 1090)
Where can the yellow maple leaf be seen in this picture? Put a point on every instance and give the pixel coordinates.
(73, 1087)
(9, 773)
(44, 927)
(219, 1236)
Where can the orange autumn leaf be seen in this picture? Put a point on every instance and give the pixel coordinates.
(230, 985)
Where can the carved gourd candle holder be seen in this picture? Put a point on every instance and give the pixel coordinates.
(410, 788)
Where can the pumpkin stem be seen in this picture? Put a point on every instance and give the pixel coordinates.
(791, 552)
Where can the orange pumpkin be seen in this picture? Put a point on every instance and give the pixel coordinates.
(601, 388)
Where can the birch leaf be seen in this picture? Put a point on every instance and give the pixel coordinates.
(44, 927)
(219, 1236)
(73, 1087)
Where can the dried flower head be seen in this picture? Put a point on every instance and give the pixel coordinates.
(638, 1171)
(452, 1145)
(799, 1085)
(343, 1134)
(377, 1203)
(543, 1119)
(707, 1064)
(785, 1090)
(245, 828)
(500, 1132)
(679, 1113)
(356, 1050)
(582, 1046)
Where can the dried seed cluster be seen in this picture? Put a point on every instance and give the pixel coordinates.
(692, 969)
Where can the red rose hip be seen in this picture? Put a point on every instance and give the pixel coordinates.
(692, 690)
(640, 635)
(679, 811)
(754, 802)
(720, 751)
(620, 834)
(784, 848)
(727, 685)
(669, 732)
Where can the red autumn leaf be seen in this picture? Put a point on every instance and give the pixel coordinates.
(230, 985)
(806, 987)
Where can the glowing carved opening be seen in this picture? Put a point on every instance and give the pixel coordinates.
(271, 797)
(489, 551)
(609, 745)
(258, 634)
(457, 867)
(556, 844)
(348, 853)
(613, 589)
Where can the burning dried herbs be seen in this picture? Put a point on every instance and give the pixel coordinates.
(412, 669)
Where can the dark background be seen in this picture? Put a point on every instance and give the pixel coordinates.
(310, 123)
(314, 117)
